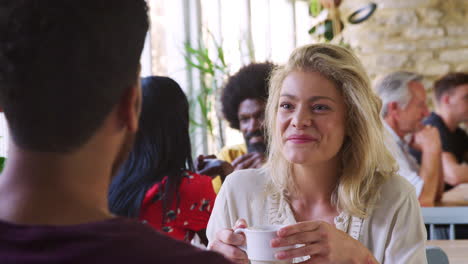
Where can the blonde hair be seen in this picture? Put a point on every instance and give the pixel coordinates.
(365, 161)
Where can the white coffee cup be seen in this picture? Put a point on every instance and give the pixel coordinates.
(258, 248)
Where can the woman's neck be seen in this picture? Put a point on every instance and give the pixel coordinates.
(314, 185)
(315, 182)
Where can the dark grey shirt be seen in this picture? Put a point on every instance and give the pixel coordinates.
(114, 241)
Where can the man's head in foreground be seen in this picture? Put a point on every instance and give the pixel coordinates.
(65, 66)
(69, 88)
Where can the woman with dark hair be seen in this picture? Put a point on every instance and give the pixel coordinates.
(156, 183)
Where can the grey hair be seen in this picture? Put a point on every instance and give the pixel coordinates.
(394, 88)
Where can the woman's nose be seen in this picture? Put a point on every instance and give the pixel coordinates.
(301, 119)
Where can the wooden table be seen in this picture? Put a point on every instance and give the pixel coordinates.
(456, 250)
(457, 196)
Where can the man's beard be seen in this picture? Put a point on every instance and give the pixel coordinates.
(125, 149)
(259, 147)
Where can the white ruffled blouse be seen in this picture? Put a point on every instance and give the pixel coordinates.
(394, 231)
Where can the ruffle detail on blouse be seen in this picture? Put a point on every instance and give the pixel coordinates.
(280, 213)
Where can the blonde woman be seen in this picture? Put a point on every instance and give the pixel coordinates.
(329, 176)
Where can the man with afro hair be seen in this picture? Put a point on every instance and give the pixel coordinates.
(243, 105)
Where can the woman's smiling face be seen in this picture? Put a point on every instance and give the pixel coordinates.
(310, 118)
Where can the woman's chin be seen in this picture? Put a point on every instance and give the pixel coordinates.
(297, 159)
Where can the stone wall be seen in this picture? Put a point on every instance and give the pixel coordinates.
(426, 36)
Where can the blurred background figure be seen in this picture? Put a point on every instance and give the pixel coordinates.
(243, 104)
(404, 107)
(157, 183)
(451, 99)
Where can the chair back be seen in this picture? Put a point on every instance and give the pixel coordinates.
(451, 216)
(435, 255)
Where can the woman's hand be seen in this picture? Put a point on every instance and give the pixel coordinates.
(323, 243)
(226, 243)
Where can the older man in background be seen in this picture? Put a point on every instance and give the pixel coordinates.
(404, 108)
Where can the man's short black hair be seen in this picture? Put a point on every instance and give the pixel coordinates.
(64, 64)
(250, 82)
(448, 82)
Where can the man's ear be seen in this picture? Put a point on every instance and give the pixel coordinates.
(445, 98)
(130, 107)
(392, 109)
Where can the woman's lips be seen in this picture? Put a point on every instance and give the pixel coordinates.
(301, 139)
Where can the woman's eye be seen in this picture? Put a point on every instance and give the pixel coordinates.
(320, 107)
(285, 106)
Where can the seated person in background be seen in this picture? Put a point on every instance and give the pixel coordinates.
(243, 104)
(156, 183)
(451, 96)
(70, 92)
(404, 107)
(329, 178)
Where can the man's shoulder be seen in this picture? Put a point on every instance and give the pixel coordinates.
(435, 120)
(146, 245)
(462, 134)
(117, 240)
(162, 249)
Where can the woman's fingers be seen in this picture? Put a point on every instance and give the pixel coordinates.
(227, 236)
(300, 227)
(298, 238)
(227, 241)
(241, 261)
(240, 223)
(231, 252)
(307, 250)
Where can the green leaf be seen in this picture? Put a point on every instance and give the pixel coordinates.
(209, 126)
(315, 8)
(312, 30)
(202, 104)
(200, 68)
(2, 163)
(221, 56)
(328, 34)
(195, 123)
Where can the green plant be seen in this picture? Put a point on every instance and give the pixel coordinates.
(2, 163)
(315, 8)
(327, 21)
(212, 70)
